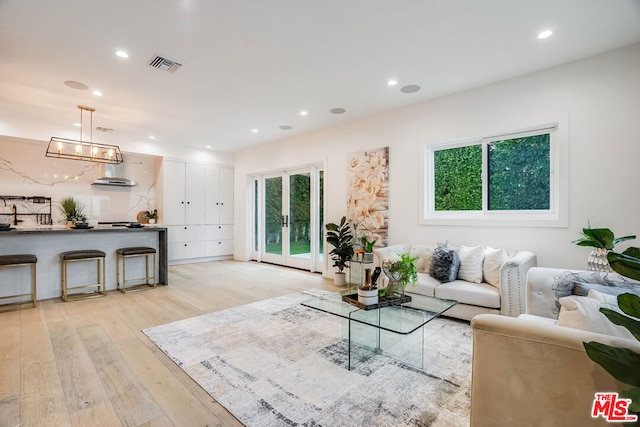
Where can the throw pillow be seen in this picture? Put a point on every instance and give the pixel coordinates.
(584, 289)
(564, 284)
(493, 260)
(583, 313)
(471, 263)
(445, 264)
(423, 253)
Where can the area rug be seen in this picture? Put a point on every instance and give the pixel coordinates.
(277, 363)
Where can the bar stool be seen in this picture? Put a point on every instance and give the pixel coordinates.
(21, 260)
(122, 255)
(78, 256)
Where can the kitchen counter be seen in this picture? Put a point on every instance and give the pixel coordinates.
(47, 242)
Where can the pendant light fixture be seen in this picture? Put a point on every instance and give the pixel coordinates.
(90, 151)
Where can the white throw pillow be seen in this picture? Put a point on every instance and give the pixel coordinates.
(471, 263)
(493, 260)
(583, 313)
(423, 253)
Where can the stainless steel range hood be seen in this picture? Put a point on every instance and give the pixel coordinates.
(114, 175)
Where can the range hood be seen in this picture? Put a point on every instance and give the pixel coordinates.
(113, 175)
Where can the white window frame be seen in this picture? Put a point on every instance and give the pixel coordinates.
(555, 216)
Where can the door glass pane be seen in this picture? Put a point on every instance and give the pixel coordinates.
(256, 222)
(321, 217)
(300, 215)
(273, 215)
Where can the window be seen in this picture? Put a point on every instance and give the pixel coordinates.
(503, 179)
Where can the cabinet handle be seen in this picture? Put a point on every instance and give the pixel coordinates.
(185, 228)
(217, 204)
(185, 244)
(222, 204)
(182, 202)
(188, 203)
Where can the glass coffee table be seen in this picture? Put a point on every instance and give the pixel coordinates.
(396, 330)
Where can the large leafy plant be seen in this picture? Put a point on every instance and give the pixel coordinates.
(339, 236)
(623, 364)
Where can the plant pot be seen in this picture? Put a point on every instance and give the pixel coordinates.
(368, 257)
(152, 221)
(339, 279)
(368, 296)
(597, 260)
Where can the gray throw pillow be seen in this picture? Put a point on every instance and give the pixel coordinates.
(445, 264)
(580, 283)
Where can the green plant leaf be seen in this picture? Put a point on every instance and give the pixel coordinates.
(632, 325)
(625, 264)
(621, 363)
(622, 239)
(634, 395)
(587, 242)
(632, 252)
(629, 304)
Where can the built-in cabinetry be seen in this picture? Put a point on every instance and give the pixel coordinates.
(198, 210)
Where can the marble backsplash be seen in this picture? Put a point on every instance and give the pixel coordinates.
(25, 171)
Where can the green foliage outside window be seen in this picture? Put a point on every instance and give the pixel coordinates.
(518, 171)
(458, 178)
(519, 174)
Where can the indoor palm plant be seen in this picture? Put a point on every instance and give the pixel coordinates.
(339, 236)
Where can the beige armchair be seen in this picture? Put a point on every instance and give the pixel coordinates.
(527, 371)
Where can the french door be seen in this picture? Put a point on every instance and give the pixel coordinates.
(288, 218)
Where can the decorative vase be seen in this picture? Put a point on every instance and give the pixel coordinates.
(368, 296)
(597, 260)
(395, 289)
(368, 257)
(152, 220)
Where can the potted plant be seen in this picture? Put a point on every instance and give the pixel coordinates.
(339, 236)
(603, 240)
(368, 248)
(72, 210)
(152, 217)
(401, 270)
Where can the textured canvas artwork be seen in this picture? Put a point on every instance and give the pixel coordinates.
(368, 204)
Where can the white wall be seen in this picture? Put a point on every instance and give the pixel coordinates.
(600, 96)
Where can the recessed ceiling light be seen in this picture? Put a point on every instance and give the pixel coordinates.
(544, 34)
(152, 137)
(392, 83)
(337, 110)
(122, 54)
(97, 93)
(254, 130)
(77, 125)
(303, 113)
(410, 88)
(207, 146)
(76, 85)
(286, 127)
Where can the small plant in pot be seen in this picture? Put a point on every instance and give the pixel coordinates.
(152, 216)
(339, 236)
(603, 240)
(72, 210)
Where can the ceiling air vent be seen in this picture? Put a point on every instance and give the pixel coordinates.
(165, 64)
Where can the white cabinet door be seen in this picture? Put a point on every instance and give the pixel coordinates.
(218, 247)
(174, 193)
(194, 191)
(226, 196)
(212, 195)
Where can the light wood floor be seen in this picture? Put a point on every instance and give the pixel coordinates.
(87, 363)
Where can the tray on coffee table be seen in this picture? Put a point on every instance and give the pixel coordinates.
(382, 302)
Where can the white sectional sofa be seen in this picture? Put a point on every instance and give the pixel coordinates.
(505, 296)
(529, 371)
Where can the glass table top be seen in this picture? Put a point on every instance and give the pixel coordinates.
(401, 319)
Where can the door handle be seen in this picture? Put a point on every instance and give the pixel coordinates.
(285, 220)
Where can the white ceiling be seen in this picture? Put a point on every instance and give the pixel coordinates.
(255, 64)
